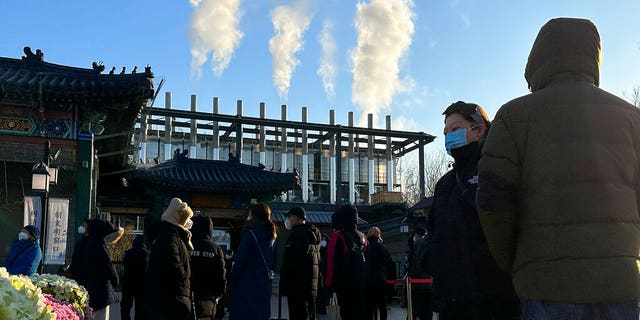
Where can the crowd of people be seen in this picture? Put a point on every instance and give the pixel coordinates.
(538, 218)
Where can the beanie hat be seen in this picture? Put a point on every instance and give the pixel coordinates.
(177, 213)
(33, 230)
(298, 212)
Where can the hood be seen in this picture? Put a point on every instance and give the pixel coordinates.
(564, 47)
(202, 227)
(99, 228)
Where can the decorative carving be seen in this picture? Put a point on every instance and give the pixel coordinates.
(17, 125)
(98, 67)
(112, 70)
(31, 57)
(147, 69)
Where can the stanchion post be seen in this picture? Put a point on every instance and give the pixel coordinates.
(409, 300)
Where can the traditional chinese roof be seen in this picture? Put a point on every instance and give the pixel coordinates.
(67, 102)
(30, 81)
(214, 176)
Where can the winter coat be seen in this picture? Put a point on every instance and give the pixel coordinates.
(24, 257)
(250, 281)
(346, 264)
(167, 284)
(135, 266)
(299, 271)
(462, 266)
(559, 179)
(77, 269)
(379, 262)
(101, 276)
(208, 279)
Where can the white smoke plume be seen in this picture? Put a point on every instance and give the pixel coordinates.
(328, 66)
(385, 29)
(290, 23)
(214, 30)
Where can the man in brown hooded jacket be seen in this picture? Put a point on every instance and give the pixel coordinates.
(559, 189)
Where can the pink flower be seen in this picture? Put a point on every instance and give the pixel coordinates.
(62, 310)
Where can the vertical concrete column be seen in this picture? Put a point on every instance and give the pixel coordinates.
(332, 159)
(142, 154)
(305, 159)
(283, 147)
(352, 167)
(263, 135)
(216, 130)
(421, 169)
(168, 128)
(370, 149)
(193, 135)
(389, 158)
(239, 145)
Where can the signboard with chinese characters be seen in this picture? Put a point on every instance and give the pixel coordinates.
(32, 211)
(56, 249)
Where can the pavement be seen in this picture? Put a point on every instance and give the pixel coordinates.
(394, 312)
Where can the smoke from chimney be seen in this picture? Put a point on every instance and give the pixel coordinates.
(290, 23)
(328, 66)
(385, 29)
(214, 30)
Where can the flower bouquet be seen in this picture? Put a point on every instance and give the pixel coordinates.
(20, 299)
(66, 291)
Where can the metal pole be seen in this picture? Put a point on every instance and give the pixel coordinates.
(409, 302)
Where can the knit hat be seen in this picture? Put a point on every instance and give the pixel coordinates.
(33, 230)
(177, 213)
(298, 212)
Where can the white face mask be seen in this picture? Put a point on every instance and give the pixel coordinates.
(22, 236)
(189, 224)
(287, 224)
(81, 230)
(323, 243)
(248, 218)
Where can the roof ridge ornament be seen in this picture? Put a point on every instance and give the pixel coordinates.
(31, 57)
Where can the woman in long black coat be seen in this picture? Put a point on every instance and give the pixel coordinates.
(101, 276)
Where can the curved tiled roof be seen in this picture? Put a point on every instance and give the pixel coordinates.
(30, 80)
(214, 176)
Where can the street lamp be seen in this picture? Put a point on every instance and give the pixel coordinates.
(42, 175)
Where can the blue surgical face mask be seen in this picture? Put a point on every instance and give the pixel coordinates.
(22, 236)
(456, 139)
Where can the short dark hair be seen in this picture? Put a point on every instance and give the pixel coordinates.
(470, 111)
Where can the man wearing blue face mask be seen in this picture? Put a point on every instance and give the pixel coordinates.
(467, 283)
(24, 255)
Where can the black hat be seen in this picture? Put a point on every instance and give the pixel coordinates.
(298, 212)
(35, 232)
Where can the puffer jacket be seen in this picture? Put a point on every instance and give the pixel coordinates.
(299, 271)
(167, 285)
(559, 183)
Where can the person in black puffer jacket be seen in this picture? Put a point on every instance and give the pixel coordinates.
(135, 265)
(208, 280)
(467, 282)
(101, 276)
(379, 263)
(346, 263)
(167, 285)
(299, 271)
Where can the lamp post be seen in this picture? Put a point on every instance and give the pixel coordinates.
(42, 175)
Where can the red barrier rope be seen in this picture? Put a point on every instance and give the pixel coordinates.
(412, 280)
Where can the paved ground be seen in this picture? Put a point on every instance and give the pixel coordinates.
(395, 313)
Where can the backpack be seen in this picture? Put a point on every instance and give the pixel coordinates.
(350, 262)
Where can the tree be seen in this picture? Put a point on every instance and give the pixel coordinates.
(635, 97)
(435, 166)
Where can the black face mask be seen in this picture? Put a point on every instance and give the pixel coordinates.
(465, 152)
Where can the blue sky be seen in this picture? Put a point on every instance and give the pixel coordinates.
(472, 50)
